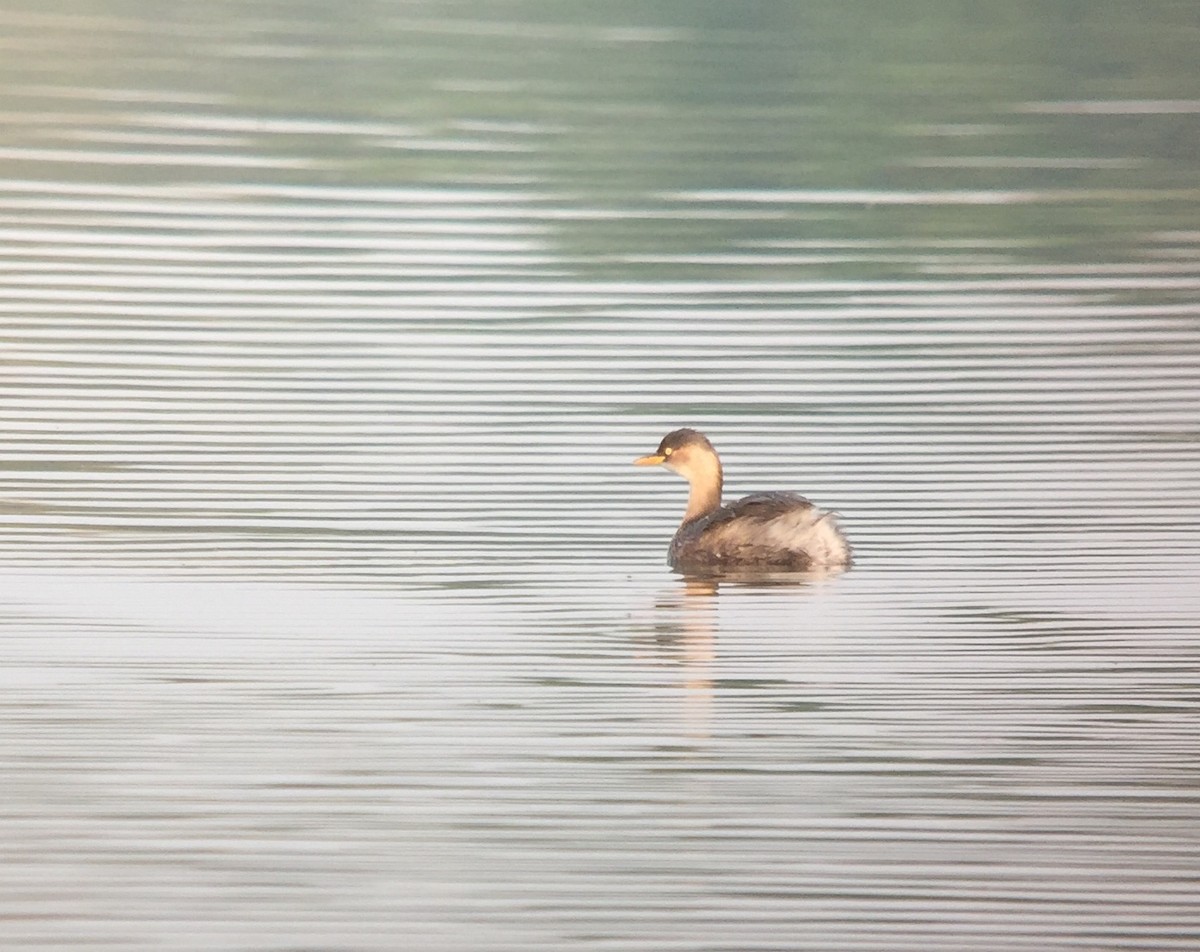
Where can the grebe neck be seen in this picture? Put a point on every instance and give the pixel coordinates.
(704, 481)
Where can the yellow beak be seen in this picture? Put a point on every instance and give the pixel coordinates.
(652, 460)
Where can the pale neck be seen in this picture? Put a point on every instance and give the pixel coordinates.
(704, 478)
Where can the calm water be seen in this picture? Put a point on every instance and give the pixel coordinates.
(332, 614)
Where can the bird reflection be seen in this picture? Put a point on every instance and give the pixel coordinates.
(683, 634)
(684, 630)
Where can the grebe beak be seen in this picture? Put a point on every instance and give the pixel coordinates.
(652, 460)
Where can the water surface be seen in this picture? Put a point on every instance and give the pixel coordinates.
(332, 614)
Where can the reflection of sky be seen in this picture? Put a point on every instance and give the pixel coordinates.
(613, 742)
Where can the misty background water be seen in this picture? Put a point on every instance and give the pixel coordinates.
(332, 614)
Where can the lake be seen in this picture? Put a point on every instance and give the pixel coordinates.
(333, 614)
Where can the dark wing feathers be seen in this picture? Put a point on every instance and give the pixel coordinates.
(772, 528)
(762, 507)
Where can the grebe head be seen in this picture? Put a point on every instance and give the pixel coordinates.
(688, 453)
(682, 451)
